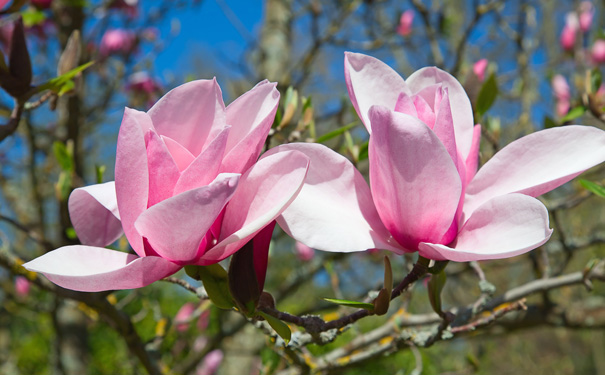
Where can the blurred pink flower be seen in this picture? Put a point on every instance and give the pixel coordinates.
(203, 320)
(210, 363)
(479, 68)
(405, 23)
(598, 51)
(117, 41)
(183, 316)
(586, 15)
(129, 7)
(141, 82)
(426, 194)
(42, 4)
(188, 190)
(304, 252)
(560, 87)
(568, 34)
(3, 3)
(22, 286)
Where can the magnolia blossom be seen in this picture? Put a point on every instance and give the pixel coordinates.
(568, 34)
(117, 41)
(562, 94)
(586, 15)
(479, 68)
(188, 190)
(598, 51)
(426, 194)
(405, 23)
(22, 286)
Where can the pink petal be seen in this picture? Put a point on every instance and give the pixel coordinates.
(414, 181)
(462, 111)
(182, 157)
(251, 116)
(370, 82)
(163, 171)
(94, 269)
(334, 211)
(189, 112)
(176, 226)
(502, 227)
(425, 111)
(537, 163)
(265, 190)
(444, 127)
(206, 166)
(405, 104)
(94, 214)
(132, 178)
(472, 161)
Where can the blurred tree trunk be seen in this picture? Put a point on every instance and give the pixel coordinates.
(275, 43)
(69, 321)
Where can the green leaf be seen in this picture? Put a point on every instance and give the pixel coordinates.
(71, 233)
(57, 84)
(215, 280)
(99, 172)
(280, 327)
(596, 189)
(64, 156)
(435, 286)
(63, 185)
(574, 113)
(344, 302)
(487, 94)
(32, 17)
(595, 80)
(336, 132)
(363, 152)
(549, 123)
(270, 360)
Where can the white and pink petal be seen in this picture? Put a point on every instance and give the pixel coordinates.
(95, 269)
(502, 227)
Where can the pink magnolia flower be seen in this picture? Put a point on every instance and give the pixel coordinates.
(568, 34)
(188, 190)
(117, 41)
(598, 51)
(304, 252)
(3, 3)
(183, 316)
(425, 193)
(210, 363)
(586, 15)
(479, 68)
(405, 23)
(22, 286)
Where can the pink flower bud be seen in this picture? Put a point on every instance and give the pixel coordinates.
(563, 107)
(568, 34)
(117, 41)
(203, 320)
(22, 286)
(211, 363)
(586, 15)
(183, 316)
(598, 52)
(405, 23)
(560, 87)
(304, 252)
(479, 68)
